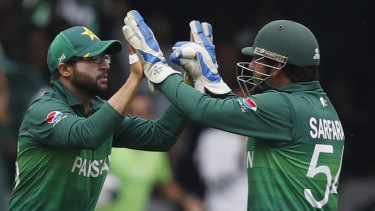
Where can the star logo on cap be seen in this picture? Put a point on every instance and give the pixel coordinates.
(89, 33)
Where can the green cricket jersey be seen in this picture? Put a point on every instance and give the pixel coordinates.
(63, 155)
(295, 144)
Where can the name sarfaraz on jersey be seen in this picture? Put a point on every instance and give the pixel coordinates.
(326, 129)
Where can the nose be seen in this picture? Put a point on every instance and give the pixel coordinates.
(252, 64)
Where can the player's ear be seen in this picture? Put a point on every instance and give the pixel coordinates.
(278, 65)
(65, 70)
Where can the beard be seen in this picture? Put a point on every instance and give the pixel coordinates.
(258, 89)
(88, 84)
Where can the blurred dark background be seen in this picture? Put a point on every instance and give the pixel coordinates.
(342, 29)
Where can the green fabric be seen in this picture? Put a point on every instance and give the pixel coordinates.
(63, 155)
(295, 146)
(283, 40)
(138, 172)
(78, 41)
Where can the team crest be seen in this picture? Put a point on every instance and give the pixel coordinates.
(54, 116)
(249, 103)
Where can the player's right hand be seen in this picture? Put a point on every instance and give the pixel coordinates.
(140, 36)
(142, 39)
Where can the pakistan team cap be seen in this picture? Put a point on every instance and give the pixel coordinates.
(288, 41)
(78, 41)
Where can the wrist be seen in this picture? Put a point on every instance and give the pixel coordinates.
(133, 58)
(188, 79)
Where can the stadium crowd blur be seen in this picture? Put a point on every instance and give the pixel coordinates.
(342, 29)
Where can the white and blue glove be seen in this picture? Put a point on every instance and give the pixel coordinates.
(199, 60)
(202, 34)
(196, 60)
(140, 36)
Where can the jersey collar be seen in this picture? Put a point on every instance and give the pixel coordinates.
(297, 87)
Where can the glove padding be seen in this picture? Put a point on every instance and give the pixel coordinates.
(140, 36)
(196, 60)
(202, 34)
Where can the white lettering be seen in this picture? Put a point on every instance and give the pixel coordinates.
(90, 168)
(325, 125)
(313, 132)
(335, 136)
(340, 132)
(326, 129)
(321, 130)
(329, 123)
(250, 159)
(77, 163)
(83, 168)
(105, 166)
(95, 169)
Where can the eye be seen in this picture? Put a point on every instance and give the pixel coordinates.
(97, 59)
(107, 58)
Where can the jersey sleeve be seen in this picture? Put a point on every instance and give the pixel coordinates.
(266, 117)
(54, 123)
(151, 135)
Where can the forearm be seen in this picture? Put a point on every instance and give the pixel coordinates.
(121, 100)
(151, 135)
(181, 95)
(203, 109)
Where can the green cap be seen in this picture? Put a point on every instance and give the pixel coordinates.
(78, 41)
(286, 41)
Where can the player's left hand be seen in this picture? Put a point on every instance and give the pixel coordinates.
(201, 33)
(196, 60)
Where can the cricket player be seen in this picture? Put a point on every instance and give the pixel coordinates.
(66, 136)
(296, 140)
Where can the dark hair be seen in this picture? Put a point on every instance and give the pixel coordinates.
(56, 75)
(301, 74)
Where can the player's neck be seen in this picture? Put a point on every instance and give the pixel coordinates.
(279, 79)
(82, 95)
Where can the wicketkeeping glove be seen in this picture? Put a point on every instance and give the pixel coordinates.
(196, 60)
(140, 36)
(202, 34)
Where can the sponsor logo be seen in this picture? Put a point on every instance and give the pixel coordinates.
(89, 33)
(61, 58)
(270, 55)
(249, 103)
(157, 71)
(316, 55)
(324, 102)
(53, 117)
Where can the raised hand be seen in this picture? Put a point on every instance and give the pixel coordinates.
(201, 33)
(141, 38)
(196, 60)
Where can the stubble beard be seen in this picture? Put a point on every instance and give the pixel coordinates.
(87, 84)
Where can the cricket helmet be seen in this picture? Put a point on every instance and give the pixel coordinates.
(283, 41)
